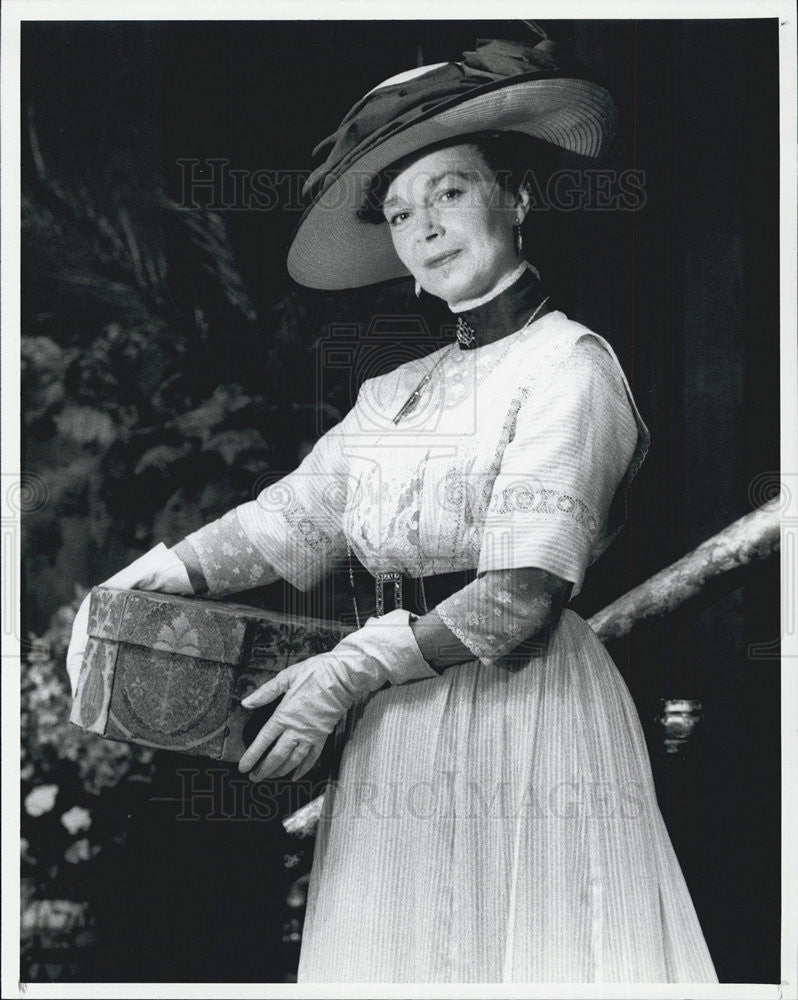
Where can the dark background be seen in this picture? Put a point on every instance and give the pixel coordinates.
(685, 288)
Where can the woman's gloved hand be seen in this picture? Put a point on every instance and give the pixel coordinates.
(320, 690)
(159, 569)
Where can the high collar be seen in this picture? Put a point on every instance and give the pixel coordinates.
(503, 313)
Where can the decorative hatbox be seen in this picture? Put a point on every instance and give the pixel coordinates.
(170, 672)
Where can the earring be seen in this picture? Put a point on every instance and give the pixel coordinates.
(519, 240)
(417, 289)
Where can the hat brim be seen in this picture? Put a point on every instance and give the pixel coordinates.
(333, 249)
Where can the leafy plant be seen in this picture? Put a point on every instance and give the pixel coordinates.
(74, 789)
(147, 401)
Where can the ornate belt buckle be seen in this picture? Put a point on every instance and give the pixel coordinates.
(392, 579)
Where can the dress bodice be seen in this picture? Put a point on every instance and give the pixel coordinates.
(515, 454)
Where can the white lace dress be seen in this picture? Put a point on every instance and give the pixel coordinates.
(492, 824)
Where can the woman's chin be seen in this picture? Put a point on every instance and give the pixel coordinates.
(451, 290)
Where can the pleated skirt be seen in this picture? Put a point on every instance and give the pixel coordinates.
(494, 826)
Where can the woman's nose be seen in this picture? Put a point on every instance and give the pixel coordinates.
(429, 227)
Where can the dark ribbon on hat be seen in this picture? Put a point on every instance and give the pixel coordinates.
(390, 109)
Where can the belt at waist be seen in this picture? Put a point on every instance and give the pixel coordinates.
(418, 595)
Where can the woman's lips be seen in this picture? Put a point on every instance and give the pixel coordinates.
(441, 259)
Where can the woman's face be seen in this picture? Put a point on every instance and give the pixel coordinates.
(452, 223)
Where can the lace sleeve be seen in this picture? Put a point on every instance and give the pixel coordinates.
(499, 611)
(221, 559)
(292, 530)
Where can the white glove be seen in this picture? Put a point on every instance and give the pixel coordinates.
(159, 569)
(320, 690)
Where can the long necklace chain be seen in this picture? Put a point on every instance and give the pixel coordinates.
(352, 584)
(466, 336)
(410, 403)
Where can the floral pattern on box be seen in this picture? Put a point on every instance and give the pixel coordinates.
(170, 672)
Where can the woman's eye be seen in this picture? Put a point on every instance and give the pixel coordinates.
(398, 218)
(450, 194)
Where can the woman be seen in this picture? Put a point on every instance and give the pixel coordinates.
(495, 817)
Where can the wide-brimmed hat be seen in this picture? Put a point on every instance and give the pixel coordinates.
(502, 86)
